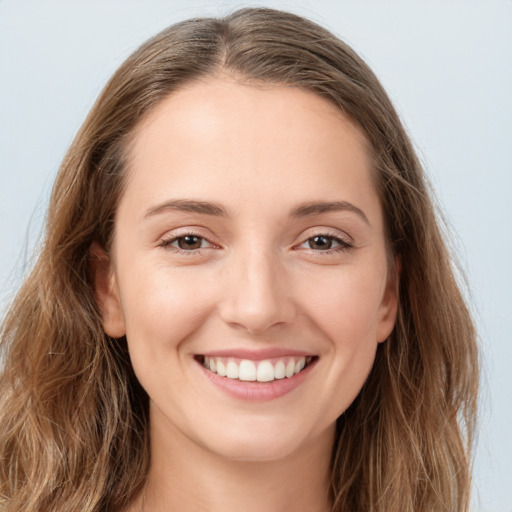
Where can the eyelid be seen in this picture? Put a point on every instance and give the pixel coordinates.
(326, 231)
(166, 241)
(345, 241)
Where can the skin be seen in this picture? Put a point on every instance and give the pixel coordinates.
(258, 280)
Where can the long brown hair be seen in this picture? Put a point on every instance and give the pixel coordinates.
(73, 418)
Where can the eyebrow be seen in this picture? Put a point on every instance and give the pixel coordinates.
(217, 210)
(187, 205)
(316, 208)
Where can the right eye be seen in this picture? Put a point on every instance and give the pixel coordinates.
(189, 242)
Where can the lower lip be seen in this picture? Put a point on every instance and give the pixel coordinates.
(257, 391)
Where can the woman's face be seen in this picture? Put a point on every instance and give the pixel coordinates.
(249, 238)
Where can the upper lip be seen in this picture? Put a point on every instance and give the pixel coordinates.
(257, 354)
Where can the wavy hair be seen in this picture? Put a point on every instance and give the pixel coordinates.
(74, 419)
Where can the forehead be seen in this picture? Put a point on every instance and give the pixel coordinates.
(217, 137)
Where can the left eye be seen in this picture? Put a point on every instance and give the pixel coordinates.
(323, 243)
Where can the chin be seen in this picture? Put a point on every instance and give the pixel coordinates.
(249, 450)
(261, 441)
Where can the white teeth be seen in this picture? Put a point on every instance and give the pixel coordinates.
(232, 370)
(299, 365)
(247, 370)
(221, 369)
(290, 369)
(279, 370)
(263, 371)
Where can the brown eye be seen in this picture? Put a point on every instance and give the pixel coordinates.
(189, 242)
(327, 244)
(321, 242)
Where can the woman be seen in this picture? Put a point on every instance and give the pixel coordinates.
(244, 298)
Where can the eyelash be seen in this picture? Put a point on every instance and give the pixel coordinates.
(167, 244)
(344, 245)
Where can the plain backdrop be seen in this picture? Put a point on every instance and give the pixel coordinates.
(446, 64)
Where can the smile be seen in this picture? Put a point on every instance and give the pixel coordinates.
(256, 376)
(248, 370)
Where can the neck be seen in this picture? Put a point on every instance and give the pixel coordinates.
(187, 477)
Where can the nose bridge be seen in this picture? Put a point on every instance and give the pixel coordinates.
(256, 292)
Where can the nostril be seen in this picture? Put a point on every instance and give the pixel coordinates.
(256, 300)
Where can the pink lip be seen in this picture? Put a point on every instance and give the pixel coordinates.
(257, 391)
(257, 355)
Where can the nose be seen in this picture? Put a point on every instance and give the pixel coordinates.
(257, 293)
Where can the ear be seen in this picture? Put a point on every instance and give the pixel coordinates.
(389, 306)
(106, 292)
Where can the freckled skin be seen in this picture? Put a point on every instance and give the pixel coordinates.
(256, 279)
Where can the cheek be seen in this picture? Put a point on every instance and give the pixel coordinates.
(161, 309)
(345, 309)
(345, 304)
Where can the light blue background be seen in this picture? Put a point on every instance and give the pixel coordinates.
(446, 64)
